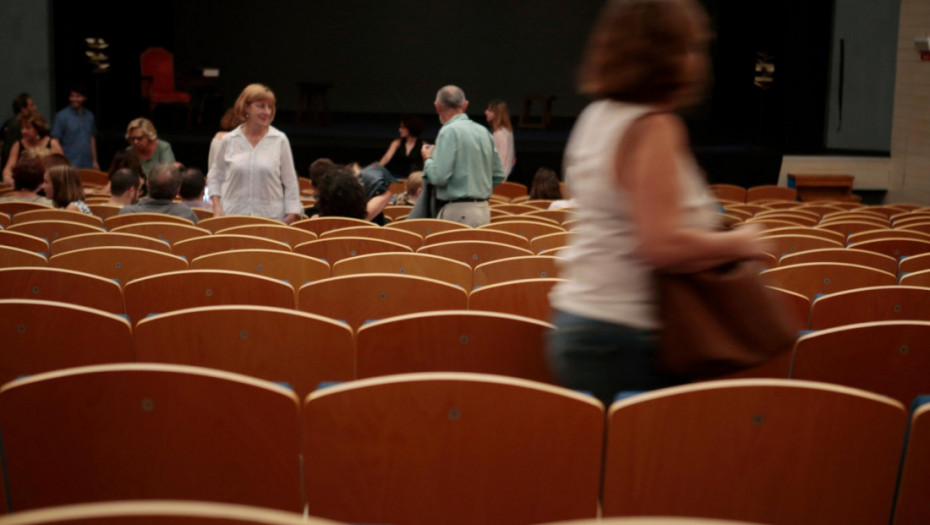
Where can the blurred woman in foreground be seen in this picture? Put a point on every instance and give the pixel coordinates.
(641, 202)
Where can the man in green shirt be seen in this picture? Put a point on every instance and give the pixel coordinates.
(464, 165)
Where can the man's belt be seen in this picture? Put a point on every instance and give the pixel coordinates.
(468, 199)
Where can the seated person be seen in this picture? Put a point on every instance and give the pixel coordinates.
(376, 180)
(63, 185)
(545, 185)
(412, 191)
(164, 182)
(28, 176)
(193, 183)
(143, 139)
(35, 143)
(318, 170)
(341, 195)
(125, 185)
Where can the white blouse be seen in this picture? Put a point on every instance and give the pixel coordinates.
(503, 141)
(258, 180)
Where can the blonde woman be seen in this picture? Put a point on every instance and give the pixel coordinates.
(253, 171)
(499, 118)
(143, 139)
(62, 184)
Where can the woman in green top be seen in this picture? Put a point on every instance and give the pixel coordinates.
(143, 138)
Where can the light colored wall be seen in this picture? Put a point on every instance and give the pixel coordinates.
(25, 62)
(909, 178)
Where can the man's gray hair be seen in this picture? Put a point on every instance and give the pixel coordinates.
(451, 97)
(164, 181)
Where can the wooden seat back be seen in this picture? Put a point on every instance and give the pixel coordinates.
(850, 442)
(150, 431)
(364, 429)
(421, 264)
(118, 262)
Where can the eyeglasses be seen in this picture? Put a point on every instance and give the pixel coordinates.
(134, 138)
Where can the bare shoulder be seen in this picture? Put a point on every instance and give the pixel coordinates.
(665, 128)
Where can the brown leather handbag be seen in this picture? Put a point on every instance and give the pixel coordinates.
(720, 320)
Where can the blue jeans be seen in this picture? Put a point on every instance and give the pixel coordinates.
(604, 358)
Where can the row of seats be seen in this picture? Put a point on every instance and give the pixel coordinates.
(462, 448)
(127, 263)
(888, 357)
(354, 298)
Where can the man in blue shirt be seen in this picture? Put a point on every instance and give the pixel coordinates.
(75, 129)
(464, 165)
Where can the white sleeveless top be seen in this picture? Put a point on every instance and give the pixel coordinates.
(606, 278)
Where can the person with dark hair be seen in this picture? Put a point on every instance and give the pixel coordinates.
(63, 185)
(35, 143)
(76, 130)
(28, 177)
(342, 194)
(193, 183)
(317, 171)
(164, 182)
(642, 203)
(463, 166)
(125, 186)
(23, 105)
(499, 118)
(253, 172)
(403, 155)
(545, 185)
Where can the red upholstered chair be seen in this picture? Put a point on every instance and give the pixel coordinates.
(157, 66)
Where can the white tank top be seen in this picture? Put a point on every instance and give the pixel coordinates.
(606, 279)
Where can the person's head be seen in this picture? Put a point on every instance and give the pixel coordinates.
(32, 126)
(28, 174)
(193, 182)
(647, 51)
(63, 185)
(164, 181)
(230, 120)
(77, 96)
(125, 180)
(342, 195)
(124, 158)
(55, 159)
(256, 105)
(498, 115)
(450, 101)
(414, 185)
(318, 169)
(23, 104)
(545, 185)
(141, 134)
(411, 126)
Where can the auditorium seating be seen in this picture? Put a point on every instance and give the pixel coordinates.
(215, 224)
(276, 344)
(58, 284)
(515, 268)
(166, 292)
(767, 451)
(94, 240)
(286, 234)
(11, 256)
(294, 268)
(372, 296)
(473, 253)
(57, 215)
(525, 297)
(118, 262)
(170, 232)
(409, 239)
(876, 303)
(333, 250)
(24, 241)
(528, 229)
(475, 234)
(40, 336)
(322, 224)
(424, 265)
(451, 448)
(142, 512)
(891, 358)
(425, 227)
(810, 279)
(149, 431)
(913, 506)
(454, 341)
(134, 218)
(194, 247)
(53, 230)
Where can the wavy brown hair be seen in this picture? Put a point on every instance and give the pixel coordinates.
(639, 50)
